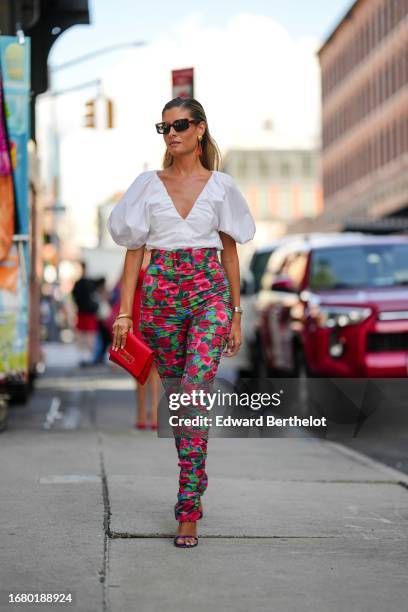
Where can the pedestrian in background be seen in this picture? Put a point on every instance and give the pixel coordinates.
(190, 310)
(151, 386)
(86, 322)
(103, 337)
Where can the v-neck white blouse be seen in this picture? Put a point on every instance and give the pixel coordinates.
(146, 215)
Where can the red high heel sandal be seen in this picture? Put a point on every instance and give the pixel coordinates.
(139, 425)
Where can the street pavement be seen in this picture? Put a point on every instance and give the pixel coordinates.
(290, 524)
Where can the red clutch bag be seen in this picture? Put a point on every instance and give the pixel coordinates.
(136, 357)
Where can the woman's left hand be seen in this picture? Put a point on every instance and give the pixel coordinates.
(234, 340)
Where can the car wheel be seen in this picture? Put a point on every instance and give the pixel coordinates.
(301, 368)
(19, 394)
(265, 370)
(302, 374)
(253, 354)
(3, 414)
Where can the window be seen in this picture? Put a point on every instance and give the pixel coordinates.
(294, 266)
(263, 166)
(307, 164)
(378, 265)
(285, 168)
(258, 264)
(242, 166)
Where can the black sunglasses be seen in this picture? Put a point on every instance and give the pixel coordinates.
(179, 125)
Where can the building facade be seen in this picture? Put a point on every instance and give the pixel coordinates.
(280, 185)
(364, 77)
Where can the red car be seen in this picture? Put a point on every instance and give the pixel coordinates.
(337, 306)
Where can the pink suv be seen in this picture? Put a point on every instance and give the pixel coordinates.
(335, 305)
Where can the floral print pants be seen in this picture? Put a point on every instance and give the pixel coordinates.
(185, 317)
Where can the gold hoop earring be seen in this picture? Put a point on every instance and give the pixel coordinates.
(200, 148)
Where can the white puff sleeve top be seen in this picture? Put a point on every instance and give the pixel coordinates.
(146, 215)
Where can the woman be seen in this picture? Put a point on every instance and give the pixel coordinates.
(190, 311)
(83, 294)
(103, 338)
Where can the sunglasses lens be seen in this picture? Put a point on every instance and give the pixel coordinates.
(162, 128)
(181, 124)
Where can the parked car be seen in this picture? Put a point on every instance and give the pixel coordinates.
(250, 285)
(336, 306)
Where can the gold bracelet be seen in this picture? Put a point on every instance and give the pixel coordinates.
(124, 316)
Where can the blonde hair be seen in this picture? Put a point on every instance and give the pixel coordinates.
(211, 156)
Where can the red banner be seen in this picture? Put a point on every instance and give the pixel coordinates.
(7, 204)
(183, 83)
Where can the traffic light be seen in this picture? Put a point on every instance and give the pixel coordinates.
(99, 113)
(109, 114)
(90, 114)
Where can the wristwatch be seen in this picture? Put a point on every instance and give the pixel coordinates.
(238, 309)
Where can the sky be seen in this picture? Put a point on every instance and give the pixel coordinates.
(253, 62)
(128, 20)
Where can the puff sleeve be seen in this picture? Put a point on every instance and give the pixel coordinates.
(128, 222)
(234, 215)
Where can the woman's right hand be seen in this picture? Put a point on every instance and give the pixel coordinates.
(120, 329)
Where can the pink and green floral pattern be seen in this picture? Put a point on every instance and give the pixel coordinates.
(186, 314)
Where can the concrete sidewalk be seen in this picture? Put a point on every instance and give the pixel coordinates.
(289, 524)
